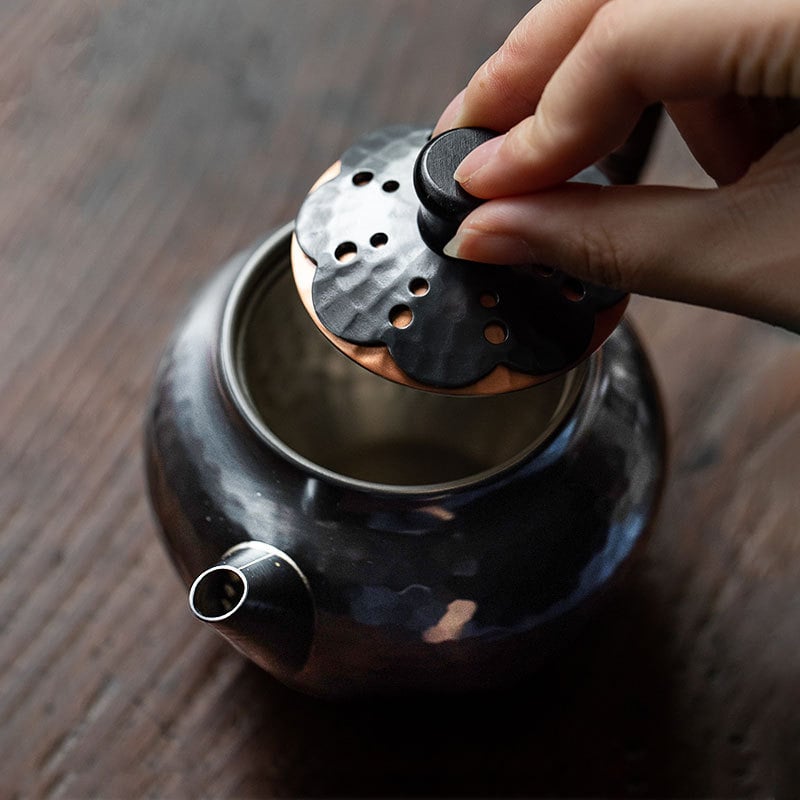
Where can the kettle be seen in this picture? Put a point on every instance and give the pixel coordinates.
(356, 535)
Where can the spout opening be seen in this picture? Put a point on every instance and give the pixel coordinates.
(218, 593)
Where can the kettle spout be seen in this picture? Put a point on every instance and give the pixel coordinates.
(257, 598)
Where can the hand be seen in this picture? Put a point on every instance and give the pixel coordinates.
(567, 87)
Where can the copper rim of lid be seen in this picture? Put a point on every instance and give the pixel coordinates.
(378, 359)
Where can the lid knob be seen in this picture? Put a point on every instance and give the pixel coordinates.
(444, 203)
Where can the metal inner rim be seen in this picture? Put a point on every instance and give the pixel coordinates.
(258, 273)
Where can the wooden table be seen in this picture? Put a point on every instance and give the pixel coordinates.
(141, 143)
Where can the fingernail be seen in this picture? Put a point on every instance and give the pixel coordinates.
(452, 248)
(479, 158)
(488, 248)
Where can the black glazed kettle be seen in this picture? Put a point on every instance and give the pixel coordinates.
(353, 534)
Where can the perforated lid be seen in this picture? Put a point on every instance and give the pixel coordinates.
(368, 264)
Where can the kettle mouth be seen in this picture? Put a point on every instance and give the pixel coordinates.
(341, 423)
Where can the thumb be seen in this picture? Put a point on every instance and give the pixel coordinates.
(682, 244)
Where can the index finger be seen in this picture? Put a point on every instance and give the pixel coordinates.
(634, 53)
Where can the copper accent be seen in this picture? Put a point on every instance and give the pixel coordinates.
(377, 359)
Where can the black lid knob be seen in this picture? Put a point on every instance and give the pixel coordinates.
(444, 203)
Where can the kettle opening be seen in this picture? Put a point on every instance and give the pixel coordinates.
(218, 593)
(311, 402)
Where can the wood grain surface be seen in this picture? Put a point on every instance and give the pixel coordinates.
(142, 143)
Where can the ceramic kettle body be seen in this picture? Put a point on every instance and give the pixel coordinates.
(355, 536)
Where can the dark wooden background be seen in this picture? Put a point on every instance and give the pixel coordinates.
(142, 143)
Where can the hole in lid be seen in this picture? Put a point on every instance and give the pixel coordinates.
(362, 178)
(401, 316)
(489, 299)
(495, 332)
(345, 252)
(390, 186)
(378, 239)
(573, 290)
(419, 287)
(545, 272)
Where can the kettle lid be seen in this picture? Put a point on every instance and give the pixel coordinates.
(368, 262)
